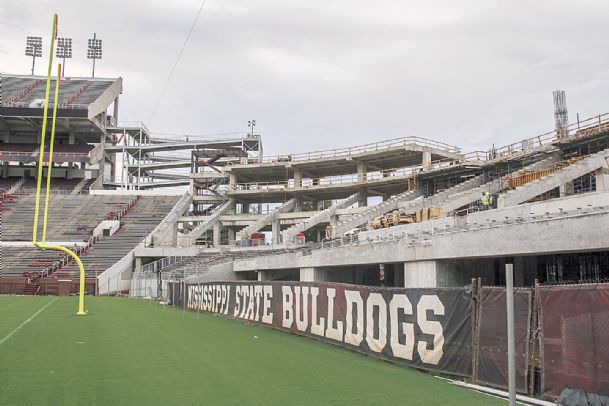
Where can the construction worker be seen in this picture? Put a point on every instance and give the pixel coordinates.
(486, 200)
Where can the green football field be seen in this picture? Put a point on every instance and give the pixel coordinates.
(135, 352)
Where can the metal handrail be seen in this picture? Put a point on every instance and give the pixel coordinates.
(578, 129)
(442, 227)
(74, 106)
(35, 154)
(370, 147)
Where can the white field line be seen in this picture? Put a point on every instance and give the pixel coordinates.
(27, 321)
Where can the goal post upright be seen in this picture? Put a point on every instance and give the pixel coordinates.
(43, 245)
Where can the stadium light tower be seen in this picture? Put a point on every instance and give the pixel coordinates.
(251, 124)
(33, 48)
(64, 50)
(94, 50)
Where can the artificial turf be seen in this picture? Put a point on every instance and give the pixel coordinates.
(135, 352)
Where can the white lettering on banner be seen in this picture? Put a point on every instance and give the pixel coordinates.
(223, 296)
(376, 300)
(237, 301)
(302, 306)
(249, 314)
(267, 317)
(211, 293)
(190, 291)
(405, 351)
(258, 296)
(288, 313)
(245, 294)
(227, 299)
(331, 332)
(218, 299)
(353, 297)
(434, 328)
(317, 328)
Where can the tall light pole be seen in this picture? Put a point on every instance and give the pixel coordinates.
(33, 48)
(251, 124)
(64, 50)
(94, 50)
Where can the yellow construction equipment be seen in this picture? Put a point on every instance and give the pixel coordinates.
(398, 217)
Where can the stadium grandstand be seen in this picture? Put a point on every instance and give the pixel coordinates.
(169, 218)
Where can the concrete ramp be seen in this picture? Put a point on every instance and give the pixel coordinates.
(209, 223)
(368, 215)
(471, 190)
(555, 179)
(321, 217)
(266, 220)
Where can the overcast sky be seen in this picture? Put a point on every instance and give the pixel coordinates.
(318, 74)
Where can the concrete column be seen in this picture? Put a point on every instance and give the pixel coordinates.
(562, 189)
(264, 276)
(71, 138)
(602, 180)
(276, 231)
(115, 113)
(312, 275)
(297, 177)
(420, 274)
(217, 233)
(426, 160)
(363, 199)
(333, 223)
(138, 263)
(232, 180)
(298, 205)
(231, 235)
(362, 172)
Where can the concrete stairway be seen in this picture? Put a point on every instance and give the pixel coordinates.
(321, 217)
(16, 186)
(471, 190)
(79, 186)
(442, 196)
(266, 220)
(368, 215)
(564, 175)
(213, 219)
(454, 201)
(136, 225)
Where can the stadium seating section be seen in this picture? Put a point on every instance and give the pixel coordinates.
(75, 91)
(72, 218)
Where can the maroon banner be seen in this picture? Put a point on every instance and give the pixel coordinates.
(492, 359)
(425, 328)
(575, 339)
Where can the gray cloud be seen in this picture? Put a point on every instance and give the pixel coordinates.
(318, 74)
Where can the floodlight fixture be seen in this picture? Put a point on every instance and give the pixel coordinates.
(64, 51)
(94, 50)
(251, 124)
(33, 48)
